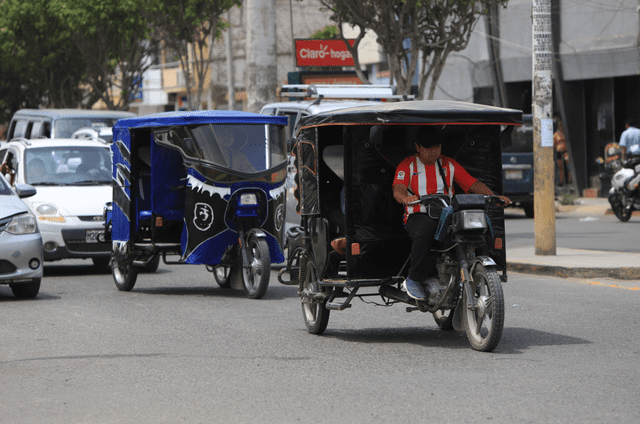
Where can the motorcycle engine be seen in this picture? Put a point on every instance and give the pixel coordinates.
(621, 177)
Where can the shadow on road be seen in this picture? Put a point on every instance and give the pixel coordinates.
(513, 340)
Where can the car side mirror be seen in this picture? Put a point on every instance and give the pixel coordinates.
(25, 190)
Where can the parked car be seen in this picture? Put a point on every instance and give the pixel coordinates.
(59, 123)
(20, 241)
(73, 180)
(311, 99)
(517, 167)
(96, 131)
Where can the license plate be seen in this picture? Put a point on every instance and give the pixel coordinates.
(513, 174)
(94, 236)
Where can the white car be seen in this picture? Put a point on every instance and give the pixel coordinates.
(73, 182)
(97, 131)
(312, 99)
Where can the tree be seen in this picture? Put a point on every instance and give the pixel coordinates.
(116, 43)
(189, 28)
(40, 64)
(412, 32)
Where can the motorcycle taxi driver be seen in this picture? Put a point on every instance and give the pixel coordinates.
(418, 175)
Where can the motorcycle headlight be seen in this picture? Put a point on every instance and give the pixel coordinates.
(469, 220)
(22, 224)
(48, 212)
(248, 199)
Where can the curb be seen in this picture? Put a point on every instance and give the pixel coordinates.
(631, 273)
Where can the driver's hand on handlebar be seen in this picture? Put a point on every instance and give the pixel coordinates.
(410, 199)
(505, 201)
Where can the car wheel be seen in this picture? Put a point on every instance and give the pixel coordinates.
(26, 290)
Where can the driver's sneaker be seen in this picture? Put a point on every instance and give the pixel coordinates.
(415, 289)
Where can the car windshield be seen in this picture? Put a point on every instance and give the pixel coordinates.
(65, 127)
(246, 148)
(521, 139)
(68, 165)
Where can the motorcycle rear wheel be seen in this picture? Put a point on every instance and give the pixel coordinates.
(484, 325)
(314, 312)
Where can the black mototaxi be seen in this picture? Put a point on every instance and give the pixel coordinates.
(346, 162)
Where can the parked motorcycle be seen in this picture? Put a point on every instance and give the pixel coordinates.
(624, 195)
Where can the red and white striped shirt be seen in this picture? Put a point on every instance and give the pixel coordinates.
(423, 179)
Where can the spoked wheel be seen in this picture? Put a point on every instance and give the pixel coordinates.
(124, 273)
(484, 324)
(255, 277)
(316, 316)
(222, 275)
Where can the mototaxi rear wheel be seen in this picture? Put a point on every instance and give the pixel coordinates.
(314, 312)
(255, 277)
(222, 275)
(483, 325)
(124, 273)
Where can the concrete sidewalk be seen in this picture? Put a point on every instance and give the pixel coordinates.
(577, 262)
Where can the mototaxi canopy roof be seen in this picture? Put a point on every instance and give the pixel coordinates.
(165, 119)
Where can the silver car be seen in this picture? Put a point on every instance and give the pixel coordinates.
(20, 241)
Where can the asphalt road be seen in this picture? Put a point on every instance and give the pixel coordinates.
(179, 349)
(597, 232)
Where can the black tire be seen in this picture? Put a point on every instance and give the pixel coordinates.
(528, 210)
(152, 265)
(444, 319)
(124, 273)
(222, 275)
(255, 278)
(101, 261)
(622, 213)
(314, 312)
(484, 324)
(26, 290)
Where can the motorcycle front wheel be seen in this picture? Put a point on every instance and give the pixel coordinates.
(255, 277)
(484, 324)
(622, 213)
(314, 312)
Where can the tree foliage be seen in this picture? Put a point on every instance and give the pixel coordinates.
(189, 27)
(116, 43)
(40, 64)
(415, 34)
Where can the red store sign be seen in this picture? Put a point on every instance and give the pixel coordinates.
(323, 53)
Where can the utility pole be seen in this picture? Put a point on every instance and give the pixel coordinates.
(231, 92)
(543, 176)
(262, 79)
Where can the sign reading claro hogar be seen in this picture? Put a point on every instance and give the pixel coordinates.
(323, 53)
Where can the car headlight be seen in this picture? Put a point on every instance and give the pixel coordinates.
(48, 212)
(248, 199)
(473, 220)
(22, 224)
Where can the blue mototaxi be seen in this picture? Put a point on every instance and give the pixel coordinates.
(207, 186)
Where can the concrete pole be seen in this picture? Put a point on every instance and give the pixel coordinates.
(231, 92)
(543, 177)
(262, 79)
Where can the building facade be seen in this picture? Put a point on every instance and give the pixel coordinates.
(596, 72)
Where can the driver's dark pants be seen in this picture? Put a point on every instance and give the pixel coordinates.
(421, 228)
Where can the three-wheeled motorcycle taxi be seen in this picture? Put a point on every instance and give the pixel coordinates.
(206, 186)
(351, 242)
